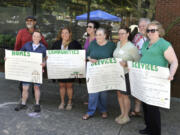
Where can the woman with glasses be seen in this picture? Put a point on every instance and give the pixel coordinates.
(91, 29)
(127, 52)
(156, 51)
(100, 48)
(64, 42)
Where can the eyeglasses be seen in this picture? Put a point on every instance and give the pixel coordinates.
(151, 30)
(89, 26)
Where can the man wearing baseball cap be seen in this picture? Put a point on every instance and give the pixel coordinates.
(25, 35)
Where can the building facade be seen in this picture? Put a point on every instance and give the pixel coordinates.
(168, 13)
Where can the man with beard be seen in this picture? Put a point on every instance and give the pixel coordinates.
(25, 35)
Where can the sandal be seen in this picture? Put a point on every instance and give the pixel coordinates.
(118, 118)
(104, 115)
(85, 103)
(61, 106)
(86, 117)
(69, 107)
(135, 114)
(123, 120)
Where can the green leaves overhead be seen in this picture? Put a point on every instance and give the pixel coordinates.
(136, 8)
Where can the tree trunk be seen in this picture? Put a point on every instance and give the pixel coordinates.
(139, 13)
(151, 10)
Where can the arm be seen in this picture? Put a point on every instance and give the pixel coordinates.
(88, 55)
(78, 45)
(44, 62)
(170, 56)
(123, 63)
(17, 45)
(74, 45)
(54, 45)
(134, 54)
(44, 42)
(44, 59)
(23, 48)
(91, 60)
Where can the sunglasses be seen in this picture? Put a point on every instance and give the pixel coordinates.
(151, 30)
(89, 26)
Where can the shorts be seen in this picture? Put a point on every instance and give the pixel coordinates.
(29, 83)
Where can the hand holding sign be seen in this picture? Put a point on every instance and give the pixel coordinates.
(149, 83)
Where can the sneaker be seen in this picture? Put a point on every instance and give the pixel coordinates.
(37, 108)
(69, 107)
(20, 107)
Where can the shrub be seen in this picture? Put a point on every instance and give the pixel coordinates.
(7, 41)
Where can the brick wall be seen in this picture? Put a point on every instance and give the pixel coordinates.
(166, 12)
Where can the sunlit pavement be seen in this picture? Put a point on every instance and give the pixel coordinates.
(51, 121)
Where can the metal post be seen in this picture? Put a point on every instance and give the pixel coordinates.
(88, 14)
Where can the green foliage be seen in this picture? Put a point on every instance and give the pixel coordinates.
(7, 41)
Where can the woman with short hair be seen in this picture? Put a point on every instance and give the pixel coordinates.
(156, 51)
(98, 49)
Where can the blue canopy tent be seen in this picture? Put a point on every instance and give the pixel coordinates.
(99, 15)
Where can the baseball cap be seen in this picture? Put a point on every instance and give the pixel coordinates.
(31, 17)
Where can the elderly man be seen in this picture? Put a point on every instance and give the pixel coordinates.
(25, 35)
(138, 41)
(140, 38)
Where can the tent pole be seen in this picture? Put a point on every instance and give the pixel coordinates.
(89, 5)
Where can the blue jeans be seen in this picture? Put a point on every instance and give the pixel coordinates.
(97, 100)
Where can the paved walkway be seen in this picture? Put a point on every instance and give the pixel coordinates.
(51, 121)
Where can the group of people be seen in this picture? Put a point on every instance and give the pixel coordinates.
(148, 46)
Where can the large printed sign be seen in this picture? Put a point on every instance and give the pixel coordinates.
(63, 64)
(23, 66)
(150, 84)
(105, 74)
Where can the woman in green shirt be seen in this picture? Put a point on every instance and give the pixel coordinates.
(98, 49)
(156, 51)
